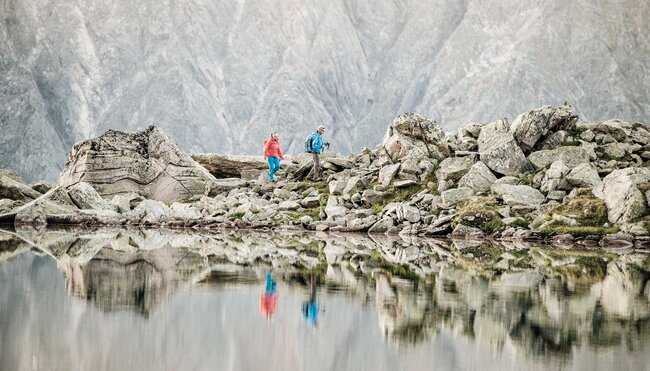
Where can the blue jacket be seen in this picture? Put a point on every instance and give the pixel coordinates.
(317, 142)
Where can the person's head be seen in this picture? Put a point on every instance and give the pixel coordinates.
(321, 129)
(274, 135)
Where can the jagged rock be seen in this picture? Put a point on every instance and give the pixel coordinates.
(353, 185)
(410, 167)
(126, 202)
(554, 140)
(185, 211)
(85, 196)
(617, 129)
(407, 212)
(282, 193)
(333, 209)
(507, 180)
(467, 232)
(229, 166)
(15, 190)
(147, 162)
(371, 197)
(554, 176)
(310, 202)
(336, 187)
(624, 200)
(571, 155)
(339, 163)
(518, 194)
(530, 126)
(456, 195)
(387, 173)
(583, 175)
(587, 135)
(405, 183)
(289, 206)
(149, 212)
(453, 168)
(42, 187)
(615, 150)
(413, 136)
(226, 185)
(479, 178)
(499, 150)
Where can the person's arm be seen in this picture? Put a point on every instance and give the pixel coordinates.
(280, 153)
(267, 144)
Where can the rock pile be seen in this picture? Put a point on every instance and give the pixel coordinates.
(546, 174)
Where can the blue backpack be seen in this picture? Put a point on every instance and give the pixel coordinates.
(309, 143)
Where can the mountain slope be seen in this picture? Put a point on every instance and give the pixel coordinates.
(219, 75)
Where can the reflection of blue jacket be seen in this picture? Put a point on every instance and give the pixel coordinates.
(317, 142)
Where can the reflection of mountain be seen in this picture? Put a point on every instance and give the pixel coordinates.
(547, 303)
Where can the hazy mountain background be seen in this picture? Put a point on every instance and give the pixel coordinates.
(219, 75)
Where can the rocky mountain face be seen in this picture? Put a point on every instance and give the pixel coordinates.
(218, 76)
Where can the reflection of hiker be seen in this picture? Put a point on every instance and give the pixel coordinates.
(273, 154)
(314, 144)
(310, 307)
(269, 297)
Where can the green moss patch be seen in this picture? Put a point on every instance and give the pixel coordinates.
(481, 214)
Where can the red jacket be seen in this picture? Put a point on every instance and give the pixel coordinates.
(272, 148)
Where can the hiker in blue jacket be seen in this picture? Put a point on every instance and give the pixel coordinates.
(314, 145)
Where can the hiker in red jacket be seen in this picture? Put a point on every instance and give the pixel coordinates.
(273, 155)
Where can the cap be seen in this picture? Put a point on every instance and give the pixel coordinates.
(321, 127)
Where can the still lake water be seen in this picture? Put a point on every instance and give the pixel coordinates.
(176, 300)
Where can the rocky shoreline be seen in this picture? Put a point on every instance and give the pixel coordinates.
(545, 176)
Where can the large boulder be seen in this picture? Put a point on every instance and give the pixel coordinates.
(456, 195)
(572, 156)
(229, 166)
(413, 136)
(499, 150)
(583, 176)
(479, 178)
(453, 168)
(147, 162)
(530, 126)
(625, 201)
(515, 195)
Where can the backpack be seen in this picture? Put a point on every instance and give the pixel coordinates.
(309, 143)
(264, 145)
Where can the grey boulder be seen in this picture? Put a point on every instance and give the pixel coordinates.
(499, 150)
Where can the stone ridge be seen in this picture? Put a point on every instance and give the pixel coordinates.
(548, 175)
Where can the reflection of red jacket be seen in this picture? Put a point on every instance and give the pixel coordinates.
(272, 148)
(267, 303)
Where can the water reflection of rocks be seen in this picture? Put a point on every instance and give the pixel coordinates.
(541, 299)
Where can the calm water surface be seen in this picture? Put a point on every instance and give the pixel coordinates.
(160, 300)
